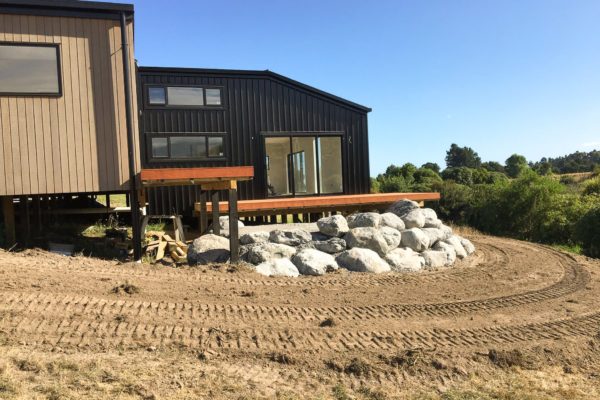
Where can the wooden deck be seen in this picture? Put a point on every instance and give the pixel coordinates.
(194, 176)
(316, 204)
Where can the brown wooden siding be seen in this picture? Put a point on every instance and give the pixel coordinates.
(77, 142)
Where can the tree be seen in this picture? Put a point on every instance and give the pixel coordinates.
(432, 166)
(543, 168)
(462, 157)
(461, 175)
(493, 166)
(515, 165)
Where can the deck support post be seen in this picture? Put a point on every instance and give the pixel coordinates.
(203, 221)
(214, 198)
(8, 211)
(25, 220)
(233, 227)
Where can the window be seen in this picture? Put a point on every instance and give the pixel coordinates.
(29, 69)
(185, 96)
(213, 97)
(160, 147)
(215, 147)
(156, 95)
(188, 146)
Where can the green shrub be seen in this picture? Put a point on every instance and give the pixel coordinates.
(588, 232)
(455, 201)
(567, 180)
(393, 184)
(460, 175)
(592, 186)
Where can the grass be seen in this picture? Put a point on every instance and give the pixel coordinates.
(116, 200)
(575, 249)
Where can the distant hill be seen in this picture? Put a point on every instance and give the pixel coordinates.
(574, 162)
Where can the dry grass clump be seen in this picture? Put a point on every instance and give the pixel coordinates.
(356, 367)
(282, 358)
(509, 358)
(126, 288)
(327, 322)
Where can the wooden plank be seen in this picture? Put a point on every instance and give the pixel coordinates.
(160, 253)
(187, 174)
(220, 185)
(234, 239)
(82, 29)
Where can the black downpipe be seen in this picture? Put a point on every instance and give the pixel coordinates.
(135, 206)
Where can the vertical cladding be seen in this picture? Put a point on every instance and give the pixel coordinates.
(253, 103)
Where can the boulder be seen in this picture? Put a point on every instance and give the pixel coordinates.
(362, 260)
(294, 237)
(454, 241)
(433, 224)
(404, 260)
(434, 235)
(392, 237)
(277, 267)
(314, 262)
(336, 225)
(415, 239)
(447, 231)
(254, 237)
(434, 258)
(403, 207)
(364, 220)
(448, 249)
(392, 220)
(367, 238)
(331, 246)
(208, 249)
(224, 223)
(268, 251)
(467, 245)
(414, 219)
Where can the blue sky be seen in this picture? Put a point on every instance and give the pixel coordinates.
(502, 76)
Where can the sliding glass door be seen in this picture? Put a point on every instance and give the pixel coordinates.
(303, 165)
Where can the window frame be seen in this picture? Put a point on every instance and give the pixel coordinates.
(169, 159)
(165, 87)
(56, 46)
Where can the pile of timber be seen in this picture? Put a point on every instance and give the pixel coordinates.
(160, 246)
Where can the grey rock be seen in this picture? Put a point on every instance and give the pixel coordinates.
(268, 251)
(454, 241)
(415, 239)
(467, 245)
(434, 258)
(405, 260)
(392, 220)
(433, 223)
(392, 237)
(224, 223)
(362, 260)
(254, 237)
(208, 249)
(434, 235)
(448, 249)
(367, 238)
(414, 219)
(364, 220)
(331, 246)
(294, 237)
(447, 231)
(314, 262)
(278, 267)
(403, 207)
(336, 225)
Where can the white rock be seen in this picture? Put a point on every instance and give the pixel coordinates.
(447, 231)
(278, 267)
(458, 247)
(415, 239)
(364, 220)
(414, 219)
(433, 224)
(448, 249)
(392, 237)
(403, 207)
(268, 251)
(468, 246)
(294, 237)
(404, 260)
(392, 220)
(336, 225)
(224, 223)
(434, 235)
(208, 249)
(314, 262)
(331, 246)
(254, 237)
(367, 238)
(362, 260)
(434, 258)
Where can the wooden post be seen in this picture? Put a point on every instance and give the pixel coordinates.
(233, 227)
(214, 198)
(203, 215)
(25, 223)
(8, 211)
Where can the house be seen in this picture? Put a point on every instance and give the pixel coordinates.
(79, 118)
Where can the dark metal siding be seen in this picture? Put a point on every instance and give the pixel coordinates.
(251, 105)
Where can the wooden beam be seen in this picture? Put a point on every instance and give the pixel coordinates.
(195, 175)
(8, 211)
(214, 198)
(220, 185)
(203, 222)
(234, 240)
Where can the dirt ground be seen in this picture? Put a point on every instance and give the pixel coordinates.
(515, 320)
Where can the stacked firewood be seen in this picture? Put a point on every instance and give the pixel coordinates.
(160, 245)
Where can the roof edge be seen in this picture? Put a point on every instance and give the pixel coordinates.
(65, 7)
(254, 73)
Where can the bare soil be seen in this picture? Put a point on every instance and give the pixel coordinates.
(515, 320)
